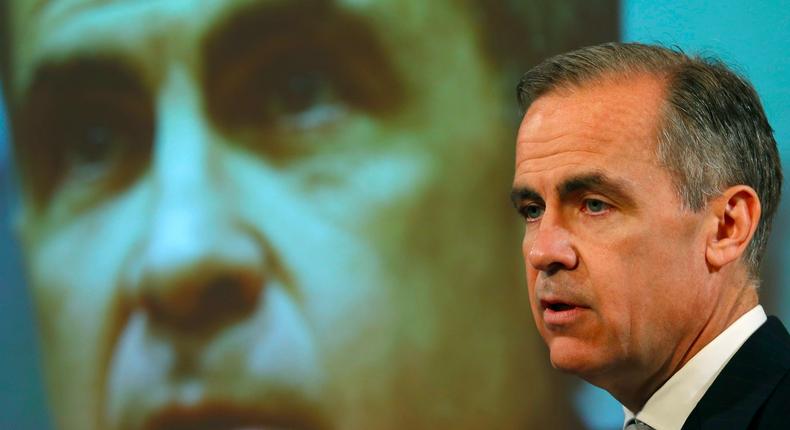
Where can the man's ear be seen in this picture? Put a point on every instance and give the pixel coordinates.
(736, 213)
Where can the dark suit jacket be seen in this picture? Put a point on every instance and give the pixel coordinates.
(753, 389)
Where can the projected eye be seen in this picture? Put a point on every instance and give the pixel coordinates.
(274, 75)
(99, 140)
(290, 96)
(86, 122)
(95, 144)
(309, 100)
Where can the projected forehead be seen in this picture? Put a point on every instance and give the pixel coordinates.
(266, 67)
(148, 30)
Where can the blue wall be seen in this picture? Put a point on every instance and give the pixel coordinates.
(751, 35)
(21, 391)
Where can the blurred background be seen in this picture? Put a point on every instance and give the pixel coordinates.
(751, 36)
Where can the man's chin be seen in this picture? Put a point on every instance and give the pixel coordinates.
(571, 355)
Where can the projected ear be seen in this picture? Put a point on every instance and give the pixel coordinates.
(737, 212)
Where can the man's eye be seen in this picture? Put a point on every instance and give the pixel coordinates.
(595, 206)
(532, 212)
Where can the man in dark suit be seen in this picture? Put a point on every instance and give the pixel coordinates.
(647, 180)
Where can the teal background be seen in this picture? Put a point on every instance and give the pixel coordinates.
(751, 36)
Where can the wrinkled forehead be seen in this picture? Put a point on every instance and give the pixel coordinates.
(48, 30)
(621, 113)
(608, 127)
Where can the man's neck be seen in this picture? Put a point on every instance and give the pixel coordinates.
(636, 388)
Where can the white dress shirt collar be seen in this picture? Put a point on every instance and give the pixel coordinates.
(668, 408)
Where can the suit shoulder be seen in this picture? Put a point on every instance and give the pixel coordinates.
(775, 413)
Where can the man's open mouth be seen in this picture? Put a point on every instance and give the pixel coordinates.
(558, 312)
(557, 306)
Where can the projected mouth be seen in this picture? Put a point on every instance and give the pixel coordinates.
(261, 374)
(222, 417)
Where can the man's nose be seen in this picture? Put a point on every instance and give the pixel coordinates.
(549, 249)
(198, 265)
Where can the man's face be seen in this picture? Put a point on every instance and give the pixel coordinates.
(614, 263)
(249, 214)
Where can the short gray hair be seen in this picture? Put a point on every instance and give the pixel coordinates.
(713, 132)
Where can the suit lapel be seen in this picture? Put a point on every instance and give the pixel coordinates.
(746, 381)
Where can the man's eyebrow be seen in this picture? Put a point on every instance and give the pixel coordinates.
(522, 193)
(599, 183)
(593, 182)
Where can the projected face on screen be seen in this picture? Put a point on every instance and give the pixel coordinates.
(268, 214)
